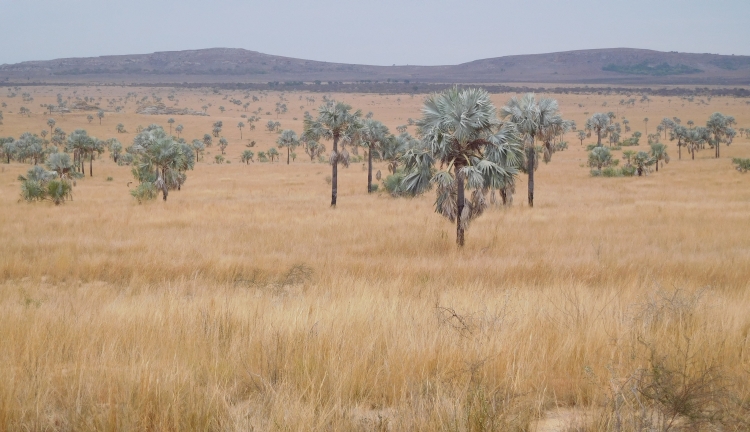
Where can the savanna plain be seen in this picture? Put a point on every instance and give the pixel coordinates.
(244, 302)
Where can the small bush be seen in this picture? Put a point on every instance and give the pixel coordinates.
(109, 179)
(328, 179)
(144, 192)
(742, 165)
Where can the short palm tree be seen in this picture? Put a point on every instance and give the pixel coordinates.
(461, 131)
(287, 139)
(600, 157)
(247, 156)
(334, 121)
(659, 153)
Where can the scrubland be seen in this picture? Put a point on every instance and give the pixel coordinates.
(245, 303)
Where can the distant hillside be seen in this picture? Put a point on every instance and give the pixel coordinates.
(224, 65)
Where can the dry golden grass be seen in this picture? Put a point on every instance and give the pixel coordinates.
(245, 303)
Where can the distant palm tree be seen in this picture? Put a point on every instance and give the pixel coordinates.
(645, 120)
(179, 130)
(598, 123)
(581, 135)
(100, 114)
(659, 153)
(170, 122)
(720, 126)
(287, 139)
(333, 122)
(240, 125)
(373, 134)
(532, 120)
(51, 124)
(247, 156)
(461, 131)
(679, 133)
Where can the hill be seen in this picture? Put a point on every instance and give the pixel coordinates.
(223, 65)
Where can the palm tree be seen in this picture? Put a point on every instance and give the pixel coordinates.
(287, 139)
(89, 118)
(51, 124)
(333, 122)
(373, 133)
(79, 142)
(461, 131)
(170, 122)
(120, 128)
(598, 123)
(532, 120)
(100, 114)
(659, 153)
(273, 154)
(720, 126)
(179, 129)
(313, 148)
(642, 161)
(645, 120)
(198, 148)
(247, 156)
(115, 148)
(207, 141)
(679, 133)
(240, 125)
(163, 161)
(600, 157)
(581, 136)
(223, 143)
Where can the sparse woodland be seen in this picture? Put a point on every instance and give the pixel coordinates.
(335, 262)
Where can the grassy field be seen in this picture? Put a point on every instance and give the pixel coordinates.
(245, 303)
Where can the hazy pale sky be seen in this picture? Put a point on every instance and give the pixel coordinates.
(380, 32)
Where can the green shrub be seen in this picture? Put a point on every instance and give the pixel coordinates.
(144, 192)
(611, 172)
(742, 165)
(109, 179)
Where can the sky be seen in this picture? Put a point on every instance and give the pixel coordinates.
(380, 32)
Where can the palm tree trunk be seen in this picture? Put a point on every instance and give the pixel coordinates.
(692, 150)
(369, 170)
(530, 170)
(679, 150)
(287, 155)
(334, 171)
(657, 165)
(460, 202)
(599, 138)
(717, 147)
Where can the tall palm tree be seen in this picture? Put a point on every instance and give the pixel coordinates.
(533, 120)
(287, 139)
(461, 131)
(373, 134)
(334, 122)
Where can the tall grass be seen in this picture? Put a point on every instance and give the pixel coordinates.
(245, 303)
